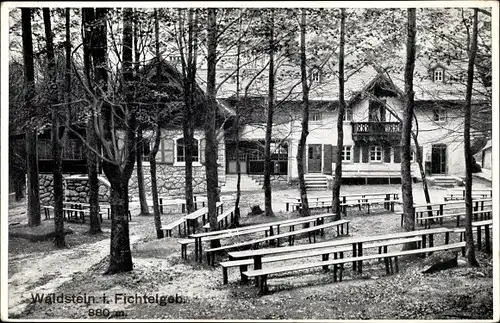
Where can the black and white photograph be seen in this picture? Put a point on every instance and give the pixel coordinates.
(263, 161)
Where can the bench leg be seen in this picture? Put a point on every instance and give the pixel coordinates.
(360, 253)
(446, 238)
(325, 258)
(487, 238)
(354, 253)
(396, 264)
(479, 238)
(243, 268)
(386, 262)
(224, 275)
(263, 284)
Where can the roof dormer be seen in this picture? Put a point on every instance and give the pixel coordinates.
(437, 73)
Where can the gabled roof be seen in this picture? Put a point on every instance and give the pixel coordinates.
(357, 80)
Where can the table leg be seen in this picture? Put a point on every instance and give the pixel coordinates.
(479, 238)
(360, 253)
(487, 238)
(196, 249)
(354, 253)
(257, 264)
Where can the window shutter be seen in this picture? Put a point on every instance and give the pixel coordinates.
(356, 154)
(334, 154)
(202, 151)
(327, 159)
(387, 154)
(168, 150)
(397, 154)
(365, 152)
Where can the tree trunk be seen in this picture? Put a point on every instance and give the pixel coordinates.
(117, 173)
(95, 225)
(421, 168)
(340, 123)
(188, 127)
(210, 135)
(34, 218)
(406, 187)
(157, 137)
(88, 20)
(120, 256)
(140, 174)
(237, 133)
(59, 240)
(305, 117)
(154, 182)
(140, 148)
(469, 238)
(269, 124)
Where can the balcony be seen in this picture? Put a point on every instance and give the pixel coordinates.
(376, 132)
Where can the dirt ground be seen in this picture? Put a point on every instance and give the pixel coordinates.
(197, 290)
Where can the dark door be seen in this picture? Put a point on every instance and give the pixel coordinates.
(438, 159)
(314, 158)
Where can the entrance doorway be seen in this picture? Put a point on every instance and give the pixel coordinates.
(438, 159)
(314, 158)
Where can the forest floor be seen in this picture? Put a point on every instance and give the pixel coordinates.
(37, 268)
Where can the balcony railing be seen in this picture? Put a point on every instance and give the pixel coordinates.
(375, 130)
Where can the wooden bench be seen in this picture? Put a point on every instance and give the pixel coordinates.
(172, 225)
(268, 229)
(70, 213)
(355, 242)
(323, 252)
(222, 219)
(459, 194)
(80, 205)
(164, 201)
(290, 235)
(192, 218)
(262, 274)
(442, 207)
(477, 226)
(352, 200)
(428, 220)
(189, 220)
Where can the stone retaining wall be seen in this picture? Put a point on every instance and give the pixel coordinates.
(75, 189)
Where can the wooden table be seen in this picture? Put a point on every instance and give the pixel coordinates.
(363, 197)
(357, 245)
(264, 227)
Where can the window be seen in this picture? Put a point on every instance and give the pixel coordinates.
(347, 115)
(315, 116)
(72, 150)
(376, 153)
(279, 151)
(438, 75)
(439, 115)
(181, 150)
(256, 155)
(346, 153)
(175, 58)
(44, 150)
(316, 75)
